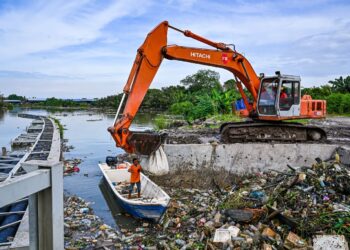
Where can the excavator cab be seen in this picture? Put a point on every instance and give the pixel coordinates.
(279, 96)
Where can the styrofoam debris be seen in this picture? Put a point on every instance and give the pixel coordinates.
(330, 242)
(224, 235)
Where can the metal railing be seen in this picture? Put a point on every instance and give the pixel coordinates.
(44, 188)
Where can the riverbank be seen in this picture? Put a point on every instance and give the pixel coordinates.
(218, 209)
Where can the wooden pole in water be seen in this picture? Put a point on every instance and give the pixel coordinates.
(4, 151)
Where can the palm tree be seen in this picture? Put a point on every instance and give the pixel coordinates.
(341, 85)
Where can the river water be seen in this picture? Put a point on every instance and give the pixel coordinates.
(86, 131)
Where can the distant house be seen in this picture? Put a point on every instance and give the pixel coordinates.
(33, 100)
(13, 101)
(83, 100)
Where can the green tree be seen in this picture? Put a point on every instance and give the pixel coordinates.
(156, 99)
(175, 94)
(341, 85)
(203, 81)
(203, 108)
(182, 108)
(16, 97)
(229, 84)
(318, 92)
(223, 100)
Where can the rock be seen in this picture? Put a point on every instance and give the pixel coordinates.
(240, 215)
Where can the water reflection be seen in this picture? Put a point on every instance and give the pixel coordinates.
(2, 114)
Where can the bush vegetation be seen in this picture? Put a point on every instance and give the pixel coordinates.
(201, 95)
(336, 93)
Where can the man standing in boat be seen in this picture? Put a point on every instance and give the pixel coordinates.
(135, 170)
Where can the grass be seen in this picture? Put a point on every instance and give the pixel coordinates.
(236, 201)
(225, 118)
(161, 122)
(59, 125)
(302, 121)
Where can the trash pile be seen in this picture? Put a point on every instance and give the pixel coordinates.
(71, 166)
(298, 208)
(84, 230)
(290, 209)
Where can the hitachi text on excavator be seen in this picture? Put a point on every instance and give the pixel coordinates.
(275, 98)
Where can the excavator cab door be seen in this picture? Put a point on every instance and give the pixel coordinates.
(289, 97)
(268, 96)
(279, 96)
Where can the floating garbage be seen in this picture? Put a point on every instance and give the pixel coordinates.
(71, 166)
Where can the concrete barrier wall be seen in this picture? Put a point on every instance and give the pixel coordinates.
(245, 158)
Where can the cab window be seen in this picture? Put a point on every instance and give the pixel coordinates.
(289, 94)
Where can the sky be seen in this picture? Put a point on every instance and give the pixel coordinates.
(85, 48)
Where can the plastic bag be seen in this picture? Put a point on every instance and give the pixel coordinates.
(158, 162)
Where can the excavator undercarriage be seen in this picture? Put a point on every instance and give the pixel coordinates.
(270, 132)
(146, 143)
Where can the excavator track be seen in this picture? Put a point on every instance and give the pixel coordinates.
(270, 132)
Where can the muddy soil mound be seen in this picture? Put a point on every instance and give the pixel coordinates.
(337, 128)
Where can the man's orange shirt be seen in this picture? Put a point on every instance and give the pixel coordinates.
(135, 173)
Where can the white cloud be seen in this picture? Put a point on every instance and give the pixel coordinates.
(50, 25)
(95, 42)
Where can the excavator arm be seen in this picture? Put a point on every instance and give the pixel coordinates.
(147, 62)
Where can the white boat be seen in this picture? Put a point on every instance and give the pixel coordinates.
(153, 201)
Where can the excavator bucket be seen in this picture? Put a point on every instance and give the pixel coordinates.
(145, 143)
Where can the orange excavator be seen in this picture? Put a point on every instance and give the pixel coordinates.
(274, 98)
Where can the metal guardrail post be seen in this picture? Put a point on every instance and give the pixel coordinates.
(33, 222)
(50, 211)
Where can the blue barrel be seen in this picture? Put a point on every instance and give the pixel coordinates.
(239, 104)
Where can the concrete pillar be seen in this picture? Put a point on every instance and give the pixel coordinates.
(50, 211)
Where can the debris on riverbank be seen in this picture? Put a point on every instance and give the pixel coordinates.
(268, 210)
(83, 229)
(294, 209)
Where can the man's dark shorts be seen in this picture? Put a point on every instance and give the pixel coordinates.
(138, 185)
